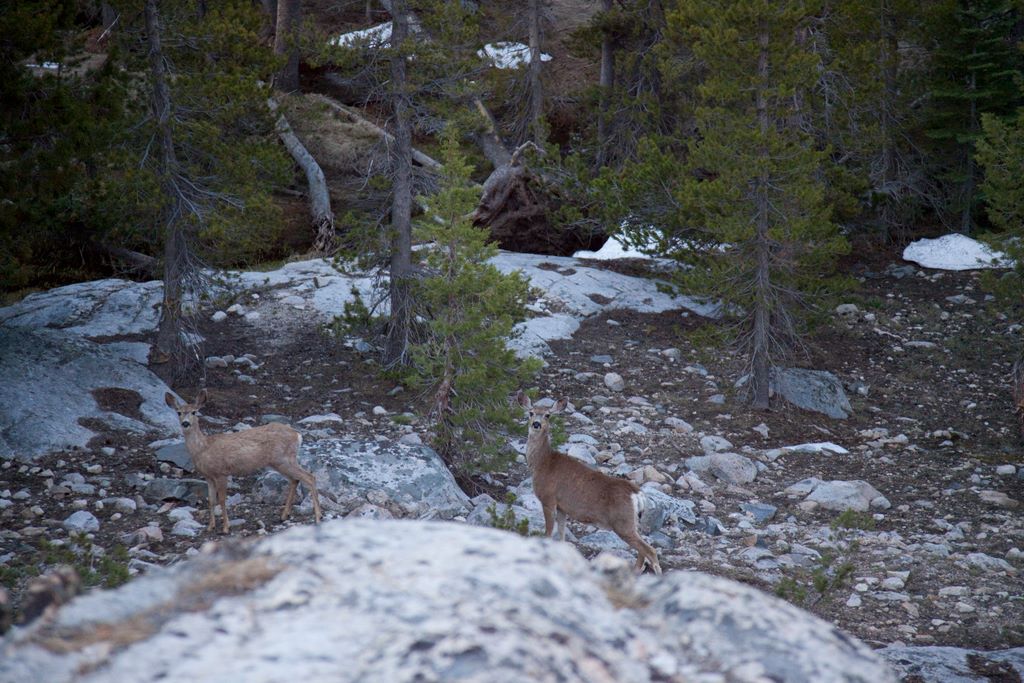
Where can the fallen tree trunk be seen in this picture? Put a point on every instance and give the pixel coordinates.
(319, 196)
(354, 117)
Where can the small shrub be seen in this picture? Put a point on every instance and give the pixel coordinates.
(851, 519)
(507, 520)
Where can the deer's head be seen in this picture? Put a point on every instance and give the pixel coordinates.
(538, 417)
(188, 413)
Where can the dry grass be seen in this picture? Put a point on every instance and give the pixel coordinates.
(223, 579)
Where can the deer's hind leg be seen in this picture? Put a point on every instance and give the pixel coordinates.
(296, 474)
(644, 551)
(222, 495)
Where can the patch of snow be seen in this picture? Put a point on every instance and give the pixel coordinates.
(375, 36)
(820, 447)
(49, 66)
(615, 249)
(508, 55)
(954, 252)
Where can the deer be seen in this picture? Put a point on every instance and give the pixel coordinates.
(566, 487)
(218, 456)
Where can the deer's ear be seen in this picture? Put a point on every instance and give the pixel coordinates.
(170, 400)
(560, 405)
(523, 399)
(201, 399)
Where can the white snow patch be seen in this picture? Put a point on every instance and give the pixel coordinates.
(508, 55)
(49, 66)
(954, 252)
(615, 249)
(820, 447)
(375, 36)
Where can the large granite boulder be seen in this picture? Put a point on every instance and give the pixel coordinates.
(51, 382)
(413, 477)
(403, 601)
(955, 664)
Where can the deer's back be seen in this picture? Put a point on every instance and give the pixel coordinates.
(584, 494)
(239, 453)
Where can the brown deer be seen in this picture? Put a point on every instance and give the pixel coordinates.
(568, 488)
(218, 456)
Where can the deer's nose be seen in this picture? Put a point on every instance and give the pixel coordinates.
(536, 424)
(185, 423)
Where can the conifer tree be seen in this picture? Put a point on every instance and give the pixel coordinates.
(976, 70)
(752, 188)
(469, 308)
(1000, 154)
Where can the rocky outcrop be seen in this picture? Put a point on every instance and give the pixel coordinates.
(414, 478)
(367, 600)
(52, 381)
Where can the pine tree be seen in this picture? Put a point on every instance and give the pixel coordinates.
(469, 308)
(1000, 153)
(976, 70)
(752, 186)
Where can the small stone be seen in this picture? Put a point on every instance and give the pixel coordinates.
(762, 512)
(186, 527)
(236, 309)
(82, 522)
(601, 359)
(847, 309)
(681, 426)
(672, 353)
(953, 591)
(1006, 470)
(717, 399)
(854, 600)
(94, 469)
(106, 450)
(380, 410)
(713, 444)
(411, 439)
(892, 584)
(219, 317)
(998, 498)
(215, 362)
(614, 381)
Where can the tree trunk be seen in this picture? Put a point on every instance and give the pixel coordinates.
(108, 15)
(286, 42)
(890, 70)
(319, 195)
(967, 191)
(605, 84)
(401, 204)
(169, 339)
(536, 92)
(761, 362)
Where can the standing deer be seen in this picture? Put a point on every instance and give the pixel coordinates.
(218, 456)
(568, 488)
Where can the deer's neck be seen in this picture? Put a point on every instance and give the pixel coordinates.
(195, 441)
(538, 449)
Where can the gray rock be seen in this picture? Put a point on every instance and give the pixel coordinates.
(844, 495)
(47, 380)
(662, 509)
(989, 563)
(762, 512)
(698, 463)
(679, 425)
(81, 522)
(177, 455)
(717, 399)
(101, 308)
(602, 359)
(713, 444)
(732, 468)
(192, 491)
(121, 504)
(614, 381)
(803, 487)
(815, 390)
(219, 317)
(415, 477)
(360, 600)
(369, 511)
(950, 664)
(188, 528)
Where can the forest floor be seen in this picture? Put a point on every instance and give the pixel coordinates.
(931, 424)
